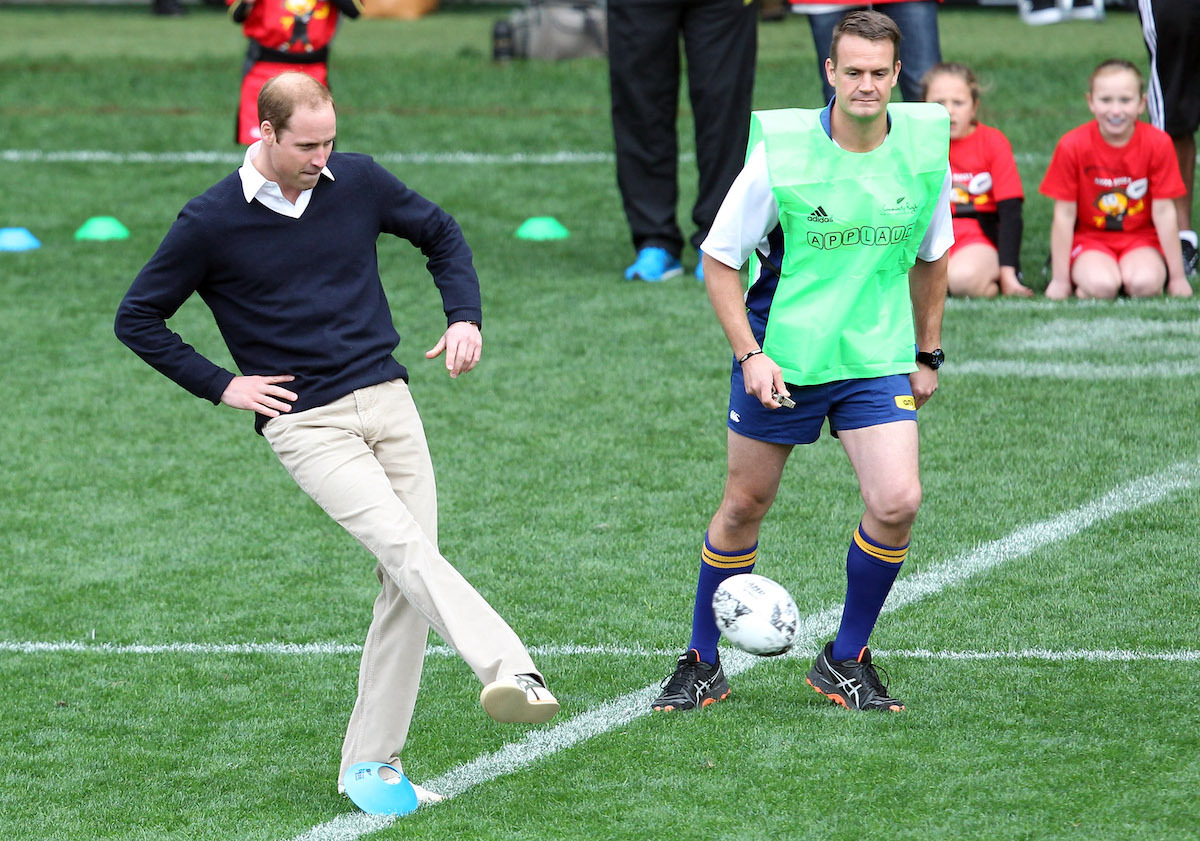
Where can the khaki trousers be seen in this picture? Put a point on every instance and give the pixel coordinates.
(364, 459)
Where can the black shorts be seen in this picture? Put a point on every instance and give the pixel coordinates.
(1172, 32)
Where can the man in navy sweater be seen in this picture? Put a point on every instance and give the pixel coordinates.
(283, 253)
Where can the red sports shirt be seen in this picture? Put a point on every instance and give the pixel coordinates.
(1113, 188)
(983, 171)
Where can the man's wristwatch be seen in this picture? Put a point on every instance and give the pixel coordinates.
(934, 359)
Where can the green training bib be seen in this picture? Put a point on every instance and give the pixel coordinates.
(852, 224)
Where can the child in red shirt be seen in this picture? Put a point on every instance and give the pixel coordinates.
(283, 35)
(987, 196)
(1113, 181)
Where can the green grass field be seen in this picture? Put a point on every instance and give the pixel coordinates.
(1043, 633)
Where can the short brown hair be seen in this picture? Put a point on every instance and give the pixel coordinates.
(951, 68)
(283, 94)
(871, 26)
(1110, 65)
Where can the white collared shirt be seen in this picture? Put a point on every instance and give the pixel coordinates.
(256, 186)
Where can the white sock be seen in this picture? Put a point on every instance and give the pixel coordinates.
(1191, 237)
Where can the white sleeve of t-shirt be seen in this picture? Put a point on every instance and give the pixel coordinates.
(750, 212)
(940, 234)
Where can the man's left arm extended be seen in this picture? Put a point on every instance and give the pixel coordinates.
(410, 215)
(927, 288)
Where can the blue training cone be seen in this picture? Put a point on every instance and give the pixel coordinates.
(376, 795)
(18, 239)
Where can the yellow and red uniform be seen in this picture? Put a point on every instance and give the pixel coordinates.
(284, 35)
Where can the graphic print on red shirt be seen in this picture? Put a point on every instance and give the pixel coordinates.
(983, 171)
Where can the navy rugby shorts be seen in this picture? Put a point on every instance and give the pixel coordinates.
(849, 404)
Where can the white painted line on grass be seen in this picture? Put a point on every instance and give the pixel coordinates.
(1117, 655)
(539, 744)
(460, 157)
(1172, 343)
(312, 648)
(325, 648)
(1073, 370)
(27, 156)
(1090, 307)
(1104, 331)
(180, 648)
(347, 827)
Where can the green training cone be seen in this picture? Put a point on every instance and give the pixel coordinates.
(102, 228)
(542, 227)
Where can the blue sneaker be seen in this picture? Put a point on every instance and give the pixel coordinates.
(653, 265)
(700, 271)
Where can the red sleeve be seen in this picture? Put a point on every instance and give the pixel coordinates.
(1006, 180)
(1062, 177)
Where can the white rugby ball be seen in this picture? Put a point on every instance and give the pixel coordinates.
(756, 614)
(980, 183)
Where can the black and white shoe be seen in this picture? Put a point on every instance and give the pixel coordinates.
(1190, 258)
(853, 684)
(693, 684)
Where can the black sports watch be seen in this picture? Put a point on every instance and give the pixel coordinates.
(934, 359)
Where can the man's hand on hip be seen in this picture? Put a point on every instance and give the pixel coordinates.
(260, 394)
(463, 345)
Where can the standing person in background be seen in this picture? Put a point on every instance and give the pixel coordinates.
(168, 8)
(843, 322)
(1114, 181)
(283, 251)
(920, 47)
(720, 39)
(1042, 12)
(1171, 29)
(283, 35)
(985, 259)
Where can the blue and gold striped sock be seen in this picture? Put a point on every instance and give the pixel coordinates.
(871, 569)
(715, 567)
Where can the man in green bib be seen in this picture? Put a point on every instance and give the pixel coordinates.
(844, 216)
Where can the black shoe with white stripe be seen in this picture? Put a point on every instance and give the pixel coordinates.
(693, 684)
(854, 684)
(1191, 260)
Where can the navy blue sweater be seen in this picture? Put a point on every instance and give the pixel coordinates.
(294, 296)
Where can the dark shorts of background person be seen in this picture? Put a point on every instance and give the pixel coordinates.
(1175, 26)
(848, 404)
